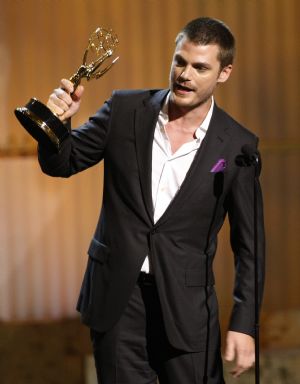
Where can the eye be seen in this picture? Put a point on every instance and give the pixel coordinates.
(179, 62)
(201, 68)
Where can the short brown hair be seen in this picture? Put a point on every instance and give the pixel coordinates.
(206, 30)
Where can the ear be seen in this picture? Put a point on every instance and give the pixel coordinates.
(224, 74)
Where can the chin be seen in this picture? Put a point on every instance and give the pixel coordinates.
(182, 101)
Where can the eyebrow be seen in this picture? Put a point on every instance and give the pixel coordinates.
(198, 64)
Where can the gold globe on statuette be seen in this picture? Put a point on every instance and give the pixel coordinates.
(42, 124)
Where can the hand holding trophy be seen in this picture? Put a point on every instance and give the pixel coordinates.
(37, 118)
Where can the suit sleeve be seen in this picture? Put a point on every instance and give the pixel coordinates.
(83, 148)
(241, 211)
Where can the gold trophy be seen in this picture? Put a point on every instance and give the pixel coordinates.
(44, 125)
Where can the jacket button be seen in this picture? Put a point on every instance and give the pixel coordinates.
(153, 231)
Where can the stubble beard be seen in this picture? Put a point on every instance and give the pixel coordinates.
(183, 108)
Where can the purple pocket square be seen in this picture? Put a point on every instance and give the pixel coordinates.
(219, 166)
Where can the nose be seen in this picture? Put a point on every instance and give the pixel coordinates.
(185, 74)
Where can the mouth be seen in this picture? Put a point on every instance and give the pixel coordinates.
(182, 88)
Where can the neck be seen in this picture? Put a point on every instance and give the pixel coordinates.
(191, 116)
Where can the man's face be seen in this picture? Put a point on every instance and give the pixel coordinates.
(195, 72)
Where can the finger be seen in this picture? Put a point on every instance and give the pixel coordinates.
(54, 108)
(76, 96)
(67, 85)
(59, 102)
(63, 95)
(65, 116)
(229, 352)
(236, 372)
(245, 360)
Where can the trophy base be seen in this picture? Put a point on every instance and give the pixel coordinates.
(42, 124)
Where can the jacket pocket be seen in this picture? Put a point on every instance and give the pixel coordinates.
(98, 251)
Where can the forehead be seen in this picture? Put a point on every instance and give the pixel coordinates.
(197, 52)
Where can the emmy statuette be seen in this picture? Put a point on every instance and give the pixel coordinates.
(42, 124)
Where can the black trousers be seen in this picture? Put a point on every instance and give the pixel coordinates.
(136, 350)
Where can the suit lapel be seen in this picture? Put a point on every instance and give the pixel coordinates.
(145, 121)
(211, 150)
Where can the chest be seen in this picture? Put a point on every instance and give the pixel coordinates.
(178, 136)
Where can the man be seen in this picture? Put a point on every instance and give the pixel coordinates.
(171, 176)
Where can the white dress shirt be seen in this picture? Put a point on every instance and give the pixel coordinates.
(169, 170)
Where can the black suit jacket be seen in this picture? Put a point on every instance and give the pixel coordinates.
(183, 242)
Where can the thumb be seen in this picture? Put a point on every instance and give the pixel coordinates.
(78, 93)
(229, 351)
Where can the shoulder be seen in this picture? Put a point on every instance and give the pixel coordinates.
(125, 102)
(233, 127)
(133, 95)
